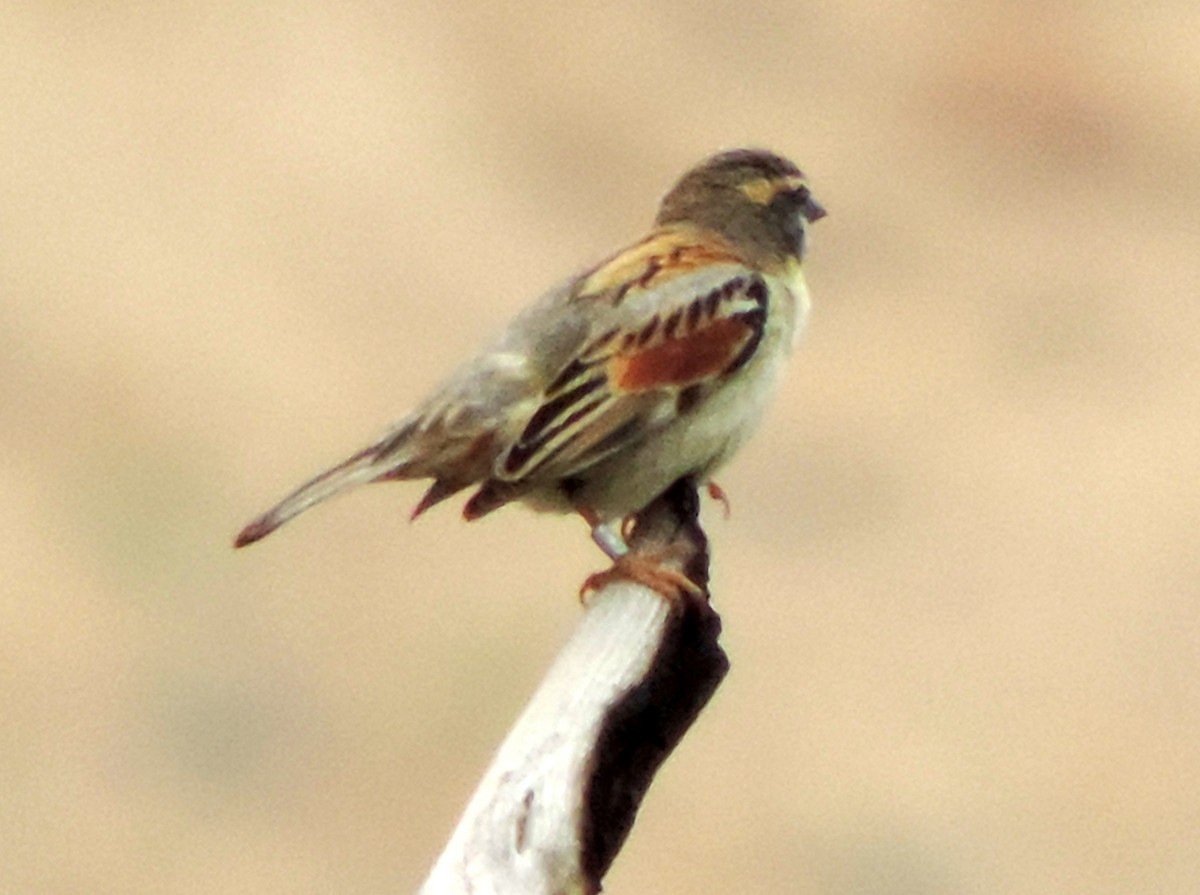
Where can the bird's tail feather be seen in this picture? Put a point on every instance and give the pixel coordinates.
(365, 466)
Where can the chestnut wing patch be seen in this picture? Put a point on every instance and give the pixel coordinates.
(627, 382)
(682, 361)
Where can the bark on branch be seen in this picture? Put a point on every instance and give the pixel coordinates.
(561, 794)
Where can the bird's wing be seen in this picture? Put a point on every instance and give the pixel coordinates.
(669, 319)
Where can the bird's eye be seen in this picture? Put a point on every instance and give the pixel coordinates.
(791, 199)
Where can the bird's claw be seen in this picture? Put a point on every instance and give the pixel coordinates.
(717, 493)
(647, 570)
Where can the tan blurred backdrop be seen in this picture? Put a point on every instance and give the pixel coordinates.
(960, 580)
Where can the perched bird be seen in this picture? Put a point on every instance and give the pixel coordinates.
(655, 364)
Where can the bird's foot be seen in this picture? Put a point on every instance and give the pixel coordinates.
(647, 569)
(717, 493)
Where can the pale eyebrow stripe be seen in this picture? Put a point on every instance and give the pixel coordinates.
(764, 189)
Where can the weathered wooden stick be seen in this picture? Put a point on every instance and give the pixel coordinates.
(561, 795)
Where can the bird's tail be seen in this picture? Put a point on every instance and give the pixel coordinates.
(367, 465)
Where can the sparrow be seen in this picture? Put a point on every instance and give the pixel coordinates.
(655, 364)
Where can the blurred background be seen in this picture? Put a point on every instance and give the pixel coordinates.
(960, 580)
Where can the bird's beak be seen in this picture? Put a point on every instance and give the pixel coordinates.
(812, 210)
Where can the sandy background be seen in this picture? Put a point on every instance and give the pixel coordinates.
(960, 582)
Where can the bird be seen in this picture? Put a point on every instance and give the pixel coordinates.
(654, 364)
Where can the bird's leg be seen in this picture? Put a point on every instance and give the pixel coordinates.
(644, 568)
(608, 536)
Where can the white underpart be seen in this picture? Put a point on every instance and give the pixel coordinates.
(703, 440)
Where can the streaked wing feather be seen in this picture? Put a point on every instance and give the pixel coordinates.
(626, 382)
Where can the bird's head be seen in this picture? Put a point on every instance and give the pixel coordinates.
(758, 201)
